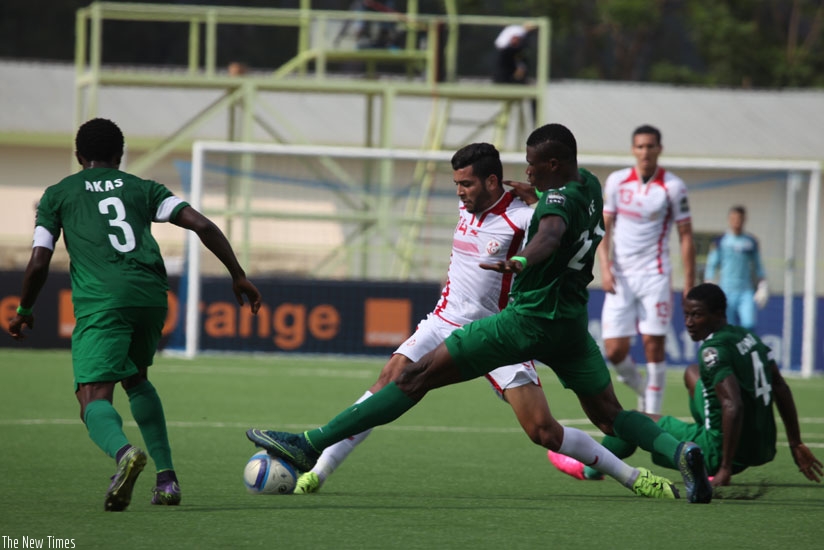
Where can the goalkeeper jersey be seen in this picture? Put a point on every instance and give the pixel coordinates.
(105, 216)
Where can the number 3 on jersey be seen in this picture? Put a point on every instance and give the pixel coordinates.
(118, 221)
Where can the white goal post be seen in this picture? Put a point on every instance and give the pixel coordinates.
(793, 175)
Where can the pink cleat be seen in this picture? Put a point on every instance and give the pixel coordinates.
(566, 464)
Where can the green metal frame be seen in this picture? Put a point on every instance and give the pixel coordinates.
(307, 73)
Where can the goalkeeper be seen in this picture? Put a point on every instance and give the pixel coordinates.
(735, 256)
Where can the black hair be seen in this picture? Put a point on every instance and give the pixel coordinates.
(484, 159)
(739, 209)
(99, 139)
(558, 140)
(648, 129)
(710, 295)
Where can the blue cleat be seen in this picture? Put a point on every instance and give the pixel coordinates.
(690, 461)
(294, 448)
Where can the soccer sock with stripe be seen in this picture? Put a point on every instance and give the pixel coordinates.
(583, 448)
(332, 456)
(147, 411)
(382, 408)
(105, 426)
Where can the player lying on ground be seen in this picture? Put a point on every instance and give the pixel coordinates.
(732, 392)
(546, 319)
(492, 226)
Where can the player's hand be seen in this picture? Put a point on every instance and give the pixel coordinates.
(807, 463)
(507, 266)
(523, 191)
(722, 477)
(16, 325)
(243, 286)
(762, 294)
(607, 281)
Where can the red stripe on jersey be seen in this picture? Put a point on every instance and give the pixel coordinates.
(499, 209)
(662, 237)
(465, 246)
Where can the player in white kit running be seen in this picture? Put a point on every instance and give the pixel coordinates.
(491, 227)
(641, 204)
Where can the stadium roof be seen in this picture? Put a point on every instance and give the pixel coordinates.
(38, 101)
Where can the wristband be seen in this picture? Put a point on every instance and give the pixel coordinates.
(23, 310)
(520, 259)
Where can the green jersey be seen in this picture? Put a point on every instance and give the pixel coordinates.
(557, 288)
(733, 351)
(106, 218)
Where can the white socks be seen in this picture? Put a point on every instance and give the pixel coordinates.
(656, 380)
(627, 372)
(580, 446)
(332, 456)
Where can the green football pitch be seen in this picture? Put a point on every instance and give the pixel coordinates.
(455, 472)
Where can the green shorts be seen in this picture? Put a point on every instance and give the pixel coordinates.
(111, 345)
(508, 337)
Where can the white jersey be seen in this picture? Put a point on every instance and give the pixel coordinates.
(496, 234)
(644, 214)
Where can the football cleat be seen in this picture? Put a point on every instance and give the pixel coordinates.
(308, 483)
(569, 466)
(166, 494)
(294, 448)
(652, 486)
(129, 467)
(690, 461)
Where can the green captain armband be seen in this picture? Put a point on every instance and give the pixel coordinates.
(520, 259)
(23, 310)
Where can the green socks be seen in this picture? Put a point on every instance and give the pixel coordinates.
(105, 426)
(641, 430)
(383, 407)
(147, 411)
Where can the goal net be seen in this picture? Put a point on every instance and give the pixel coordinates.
(344, 213)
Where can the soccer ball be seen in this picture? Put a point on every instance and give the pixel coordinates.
(267, 475)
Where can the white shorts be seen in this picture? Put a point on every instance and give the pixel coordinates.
(641, 304)
(433, 330)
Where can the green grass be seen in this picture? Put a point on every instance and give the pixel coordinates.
(455, 472)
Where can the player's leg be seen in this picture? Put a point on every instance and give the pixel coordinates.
(469, 352)
(733, 300)
(746, 310)
(145, 403)
(334, 455)
(655, 295)
(428, 335)
(618, 325)
(100, 344)
(519, 386)
(584, 372)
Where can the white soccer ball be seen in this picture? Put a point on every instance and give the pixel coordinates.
(267, 475)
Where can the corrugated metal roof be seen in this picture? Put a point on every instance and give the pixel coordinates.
(38, 98)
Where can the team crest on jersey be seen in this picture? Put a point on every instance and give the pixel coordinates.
(554, 197)
(493, 247)
(710, 357)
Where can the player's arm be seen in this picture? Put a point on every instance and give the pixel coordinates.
(604, 249)
(213, 238)
(732, 419)
(806, 461)
(37, 271)
(540, 247)
(687, 243)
